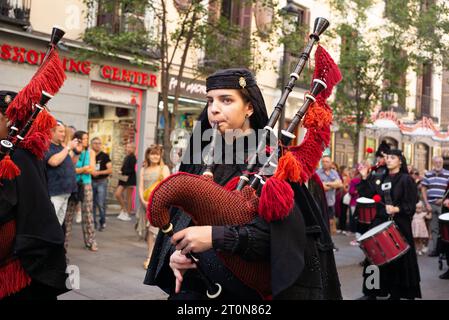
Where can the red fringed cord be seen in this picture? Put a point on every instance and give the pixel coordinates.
(8, 169)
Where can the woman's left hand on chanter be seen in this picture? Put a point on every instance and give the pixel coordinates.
(193, 239)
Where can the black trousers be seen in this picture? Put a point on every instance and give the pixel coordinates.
(342, 221)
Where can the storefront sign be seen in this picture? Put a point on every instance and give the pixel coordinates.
(128, 76)
(32, 57)
(189, 88)
(22, 55)
(114, 94)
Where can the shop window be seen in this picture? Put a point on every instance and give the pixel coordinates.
(121, 112)
(96, 111)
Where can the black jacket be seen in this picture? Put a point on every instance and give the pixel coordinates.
(39, 243)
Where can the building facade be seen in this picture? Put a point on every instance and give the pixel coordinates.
(112, 99)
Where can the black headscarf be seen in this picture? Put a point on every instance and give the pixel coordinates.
(400, 155)
(239, 79)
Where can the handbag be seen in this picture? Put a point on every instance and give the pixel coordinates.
(147, 192)
(346, 198)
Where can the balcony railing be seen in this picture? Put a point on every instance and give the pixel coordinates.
(15, 12)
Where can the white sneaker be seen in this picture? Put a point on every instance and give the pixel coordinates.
(120, 216)
(124, 216)
(78, 217)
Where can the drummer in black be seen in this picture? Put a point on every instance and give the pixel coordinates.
(399, 278)
(376, 174)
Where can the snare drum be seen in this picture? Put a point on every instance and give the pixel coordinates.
(366, 210)
(443, 220)
(383, 243)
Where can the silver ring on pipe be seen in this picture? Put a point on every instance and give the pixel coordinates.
(6, 144)
(273, 164)
(310, 97)
(170, 228)
(288, 134)
(294, 75)
(321, 81)
(244, 178)
(213, 296)
(19, 137)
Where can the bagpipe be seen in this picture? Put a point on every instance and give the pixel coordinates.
(29, 118)
(239, 202)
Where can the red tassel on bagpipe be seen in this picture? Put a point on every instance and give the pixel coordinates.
(8, 169)
(37, 143)
(289, 168)
(276, 199)
(44, 123)
(49, 77)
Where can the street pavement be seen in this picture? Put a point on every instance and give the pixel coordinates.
(116, 271)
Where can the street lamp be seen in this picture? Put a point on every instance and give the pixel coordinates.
(291, 13)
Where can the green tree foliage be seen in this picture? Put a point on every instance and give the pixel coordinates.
(222, 38)
(374, 61)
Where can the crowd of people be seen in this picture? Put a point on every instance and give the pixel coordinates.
(417, 202)
(78, 170)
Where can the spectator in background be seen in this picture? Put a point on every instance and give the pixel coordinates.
(126, 182)
(153, 172)
(342, 201)
(84, 168)
(103, 168)
(331, 181)
(433, 187)
(60, 171)
(69, 136)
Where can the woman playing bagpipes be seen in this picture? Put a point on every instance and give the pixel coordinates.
(32, 255)
(297, 248)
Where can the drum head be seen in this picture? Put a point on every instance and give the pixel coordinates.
(374, 230)
(444, 217)
(363, 200)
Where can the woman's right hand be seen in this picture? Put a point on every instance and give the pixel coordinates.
(364, 170)
(179, 263)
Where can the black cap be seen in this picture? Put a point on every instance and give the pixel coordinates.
(231, 79)
(383, 148)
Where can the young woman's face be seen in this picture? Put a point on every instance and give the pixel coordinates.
(85, 141)
(227, 107)
(130, 149)
(154, 158)
(393, 162)
(3, 126)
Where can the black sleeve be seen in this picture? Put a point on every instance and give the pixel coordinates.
(250, 241)
(407, 201)
(129, 165)
(8, 199)
(366, 188)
